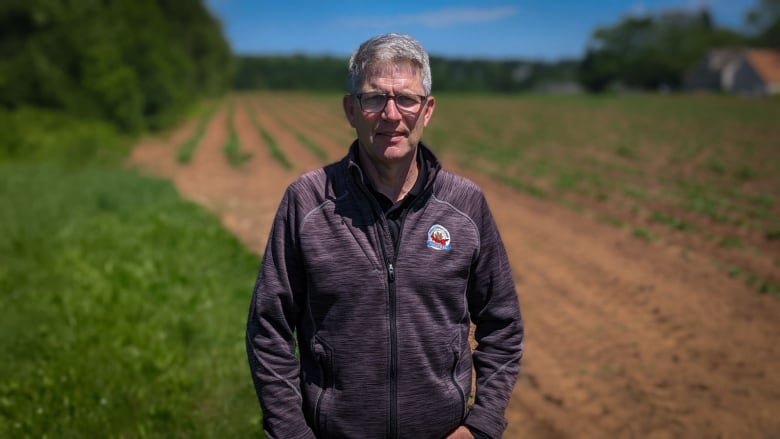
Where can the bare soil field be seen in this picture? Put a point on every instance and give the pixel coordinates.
(625, 338)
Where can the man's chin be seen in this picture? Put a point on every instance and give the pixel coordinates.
(396, 151)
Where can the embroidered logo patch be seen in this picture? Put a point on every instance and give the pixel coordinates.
(439, 238)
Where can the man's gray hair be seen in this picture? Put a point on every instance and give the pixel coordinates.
(388, 48)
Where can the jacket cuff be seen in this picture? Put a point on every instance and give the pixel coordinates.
(484, 421)
(478, 434)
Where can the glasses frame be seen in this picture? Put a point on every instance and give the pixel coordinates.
(359, 96)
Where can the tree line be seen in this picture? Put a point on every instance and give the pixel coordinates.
(645, 52)
(137, 63)
(295, 73)
(134, 63)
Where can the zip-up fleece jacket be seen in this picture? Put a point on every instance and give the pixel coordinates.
(382, 329)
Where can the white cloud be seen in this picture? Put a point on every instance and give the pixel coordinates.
(441, 18)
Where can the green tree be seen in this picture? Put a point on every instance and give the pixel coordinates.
(132, 62)
(651, 51)
(764, 18)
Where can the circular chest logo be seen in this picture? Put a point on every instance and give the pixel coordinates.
(439, 238)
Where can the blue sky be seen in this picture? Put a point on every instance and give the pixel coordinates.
(528, 29)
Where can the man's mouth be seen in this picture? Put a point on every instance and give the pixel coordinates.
(391, 134)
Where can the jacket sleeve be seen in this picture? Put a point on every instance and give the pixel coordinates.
(495, 311)
(270, 329)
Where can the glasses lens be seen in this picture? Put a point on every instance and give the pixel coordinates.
(376, 102)
(408, 102)
(373, 102)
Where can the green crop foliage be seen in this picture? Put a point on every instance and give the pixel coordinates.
(568, 181)
(730, 242)
(305, 140)
(312, 146)
(644, 234)
(767, 287)
(612, 220)
(626, 151)
(235, 155)
(276, 152)
(745, 173)
(671, 221)
(531, 189)
(187, 150)
(717, 167)
(734, 271)
(635, 193)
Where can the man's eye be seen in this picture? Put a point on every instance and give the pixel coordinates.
(406, 101)
(373, 99)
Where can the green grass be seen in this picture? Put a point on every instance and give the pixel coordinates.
(33, 135)
(123, 306)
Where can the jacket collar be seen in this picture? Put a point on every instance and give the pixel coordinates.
(425, 155)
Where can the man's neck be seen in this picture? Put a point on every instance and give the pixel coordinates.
(393, 180)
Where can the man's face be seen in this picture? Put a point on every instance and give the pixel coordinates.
(392, 134)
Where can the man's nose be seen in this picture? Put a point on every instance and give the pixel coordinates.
(391, 112)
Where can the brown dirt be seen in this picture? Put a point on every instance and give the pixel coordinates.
(624, 338)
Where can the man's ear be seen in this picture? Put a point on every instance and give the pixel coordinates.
(348, 102)
(429, 107)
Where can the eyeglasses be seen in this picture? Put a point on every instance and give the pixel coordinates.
(376, 102)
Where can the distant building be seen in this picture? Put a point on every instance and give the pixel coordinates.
(743, 71)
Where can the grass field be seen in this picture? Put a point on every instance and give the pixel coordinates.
(123, 305)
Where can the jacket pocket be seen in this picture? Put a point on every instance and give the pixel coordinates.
(455, 376)
(323, 354)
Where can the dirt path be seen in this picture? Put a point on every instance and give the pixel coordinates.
(624, 338)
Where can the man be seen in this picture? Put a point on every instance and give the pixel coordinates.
(376, 265)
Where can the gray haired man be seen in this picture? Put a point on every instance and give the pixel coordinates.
(376, 266)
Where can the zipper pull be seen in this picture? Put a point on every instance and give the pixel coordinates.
(391, 272)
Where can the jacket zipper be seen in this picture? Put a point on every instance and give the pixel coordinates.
(392, 421)
(392, 431)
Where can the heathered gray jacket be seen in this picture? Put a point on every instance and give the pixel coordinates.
(382, 330)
